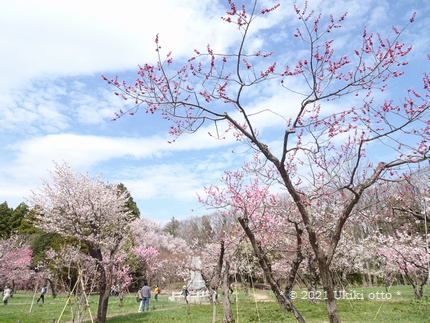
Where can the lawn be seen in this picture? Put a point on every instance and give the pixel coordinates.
(398, 306)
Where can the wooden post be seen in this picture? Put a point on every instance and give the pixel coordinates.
(34, 295)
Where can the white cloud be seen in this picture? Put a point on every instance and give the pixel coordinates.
(50, 37)
(54, 105)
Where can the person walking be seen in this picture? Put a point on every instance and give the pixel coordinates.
(185, 293)
(42, 295)
(156, 292)
(6, 295)
(139, 298)
(146, 295)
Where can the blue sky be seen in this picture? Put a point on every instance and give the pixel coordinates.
(54, 106)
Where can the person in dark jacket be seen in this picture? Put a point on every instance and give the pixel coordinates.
(185, 293)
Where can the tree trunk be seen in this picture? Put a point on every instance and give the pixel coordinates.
(388, 279)
(327, 281)
(244, 284)
(214, 302)
(369, 280)
(417, 285)
(51, 284)
(312, 279)
(284, 300)
(344, 280)
(291, 279)
(225, 288)
(364, 280)
(418, 291)
(375, 280)
(215, 281)
(103, 285)
(208, 286)
(104, 290)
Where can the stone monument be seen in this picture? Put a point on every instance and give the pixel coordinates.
(196, 282)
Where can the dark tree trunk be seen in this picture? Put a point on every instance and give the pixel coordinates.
(215, 281)
(104, 290)
(297, 261)
(327, 281)
(311, 280)
(418, 291)
(54, 292)
(103, 285)
(418, 284)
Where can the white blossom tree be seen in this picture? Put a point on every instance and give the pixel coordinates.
(89, 210)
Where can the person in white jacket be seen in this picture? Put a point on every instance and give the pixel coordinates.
(6, 295)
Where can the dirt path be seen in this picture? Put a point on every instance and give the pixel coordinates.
(260, 296)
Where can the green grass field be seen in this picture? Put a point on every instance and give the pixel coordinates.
(400, 307)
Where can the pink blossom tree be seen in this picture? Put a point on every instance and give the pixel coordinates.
(262, 216)
(160, 256)
(335, 111)
(404, 239)
(407, 254)
(15, 262)
(89, 210)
